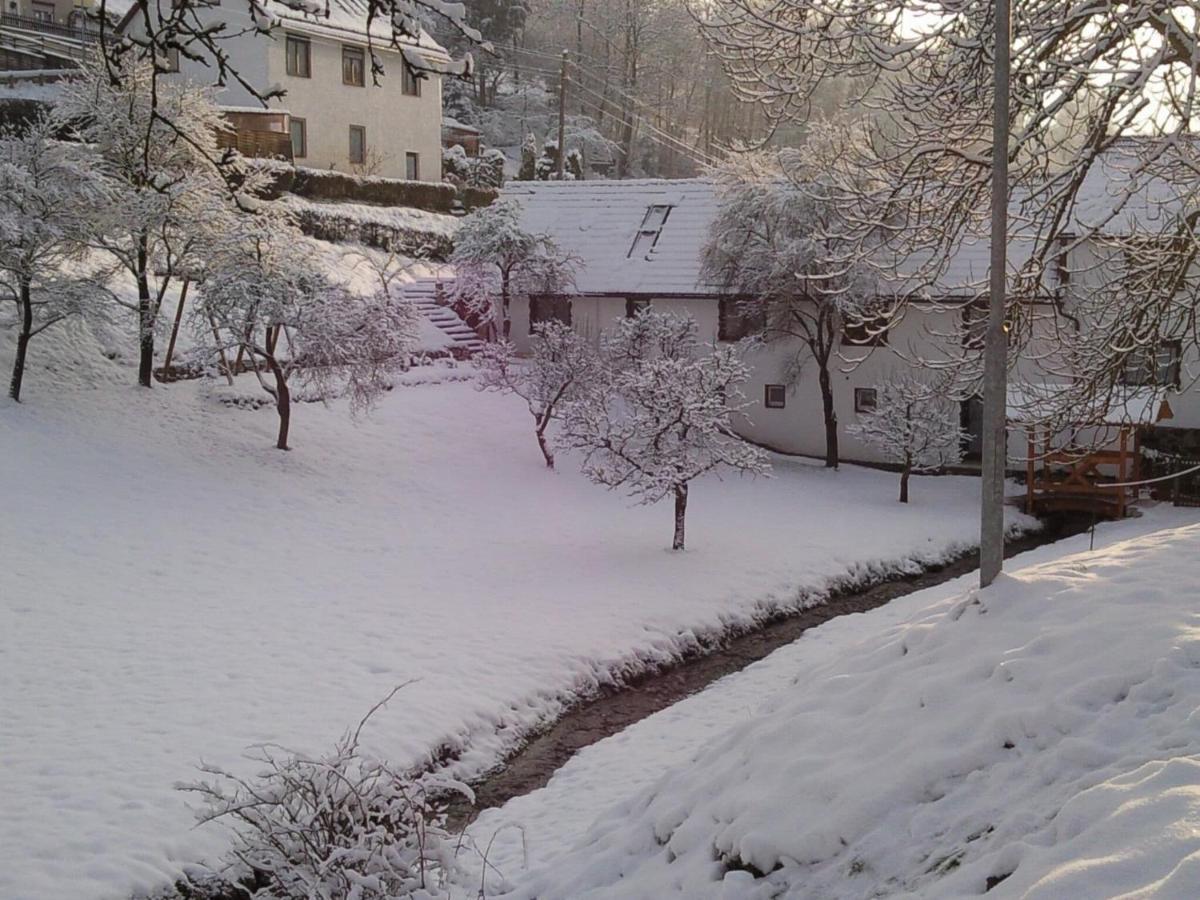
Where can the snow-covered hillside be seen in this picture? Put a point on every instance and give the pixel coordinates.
(173, 590)
(1038, 739)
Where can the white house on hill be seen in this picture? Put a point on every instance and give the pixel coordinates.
(640, 243)
(335, 115)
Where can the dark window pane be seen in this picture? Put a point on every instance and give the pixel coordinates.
(353, 66)
(549, 309)
(774, 396)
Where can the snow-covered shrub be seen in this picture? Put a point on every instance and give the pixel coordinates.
(496, 259)
(915, 424)
(561, 367)
(660, 412)
(485, 170)
(529, 159)
(338, 826)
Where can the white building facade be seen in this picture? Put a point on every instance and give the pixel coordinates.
(640, 243)
(336, 112)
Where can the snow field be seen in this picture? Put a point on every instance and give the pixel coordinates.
(1038, 738)
(173, 590)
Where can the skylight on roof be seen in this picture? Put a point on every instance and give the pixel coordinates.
(652, 226)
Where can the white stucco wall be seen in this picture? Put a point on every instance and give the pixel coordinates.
(395, 122)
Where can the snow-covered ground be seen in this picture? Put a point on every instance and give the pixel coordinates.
(173, 589)
(1046, 729)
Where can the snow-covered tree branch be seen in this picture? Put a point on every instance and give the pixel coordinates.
(659, 415)
(496, 261)
(560, 368)
(1102, 155)
(915, 424)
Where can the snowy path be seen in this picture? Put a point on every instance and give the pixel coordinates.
(565, 833)
(173, 589)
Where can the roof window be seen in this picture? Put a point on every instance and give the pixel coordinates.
(652, 226)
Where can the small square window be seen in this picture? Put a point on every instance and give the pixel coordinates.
(358, 145)
(774, 396)
(412, 166)
(866, 400)
(410, 83)
(354, 66)
(544, 308)
(299, 57)
(634, 306)
(298, 129)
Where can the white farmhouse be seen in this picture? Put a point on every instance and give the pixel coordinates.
(335, 114)
(640, 243)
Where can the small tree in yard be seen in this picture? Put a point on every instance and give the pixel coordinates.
(47, 191)
(562, 366)
(659, 414)
(263, 297)
(496, 260)
(915, 424)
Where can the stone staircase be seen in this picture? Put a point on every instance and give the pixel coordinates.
(428, 296)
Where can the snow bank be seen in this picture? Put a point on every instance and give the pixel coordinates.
(1036, 739)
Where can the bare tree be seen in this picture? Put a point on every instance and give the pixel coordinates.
(1102, 156)
(48, 190)
(496, 260)
(776, 249)
(915, 424)
(660, 413)
(561, 367)
(154, 143)
(263, 297)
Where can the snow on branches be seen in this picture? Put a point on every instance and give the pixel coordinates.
(915, 424)
(777, 244)
(155, 144)
(561, 367)
(497, 260)
(659, 414)
(264, 299)
(1103, 112)
(337, 825)
(48, 191)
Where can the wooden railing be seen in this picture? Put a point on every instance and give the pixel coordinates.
(258, 144)
(1072, 480)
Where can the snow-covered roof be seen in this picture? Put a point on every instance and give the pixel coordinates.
(599, 221)
(451, 122)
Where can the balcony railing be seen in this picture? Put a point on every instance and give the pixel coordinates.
(83, 32)
(259, 144)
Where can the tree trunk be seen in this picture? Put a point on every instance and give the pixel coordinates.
(145, 318)
(283, 403)
(18, 372)
(904, 482)
(543, 444)
(505, 321)
(681, 495)
(830, 415)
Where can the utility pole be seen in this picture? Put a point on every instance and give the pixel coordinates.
(995, 351)
(562, 118)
